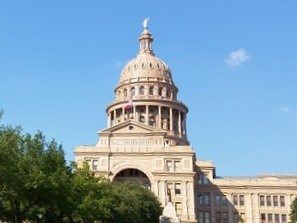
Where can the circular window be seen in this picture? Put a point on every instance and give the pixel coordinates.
(131, 127)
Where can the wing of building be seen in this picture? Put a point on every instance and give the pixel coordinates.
(146, 142)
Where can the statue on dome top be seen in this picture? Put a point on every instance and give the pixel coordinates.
(145, 22)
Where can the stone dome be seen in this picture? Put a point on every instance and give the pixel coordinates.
(146, 66)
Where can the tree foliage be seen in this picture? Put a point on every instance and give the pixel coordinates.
(37, 185)
(293, 214)
(34, 177)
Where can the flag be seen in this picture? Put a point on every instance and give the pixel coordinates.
(129, 104)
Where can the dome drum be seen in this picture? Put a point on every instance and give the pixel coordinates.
(145, 91)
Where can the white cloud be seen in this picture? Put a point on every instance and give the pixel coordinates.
(237, 57)
(285, 109)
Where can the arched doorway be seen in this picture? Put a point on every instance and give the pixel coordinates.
(133, 175)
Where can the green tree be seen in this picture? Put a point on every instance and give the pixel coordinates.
(135, 204)
(293, 214)
(37, 185)
(34, 178)
(102, 201)
(93, 197)
(11, 181)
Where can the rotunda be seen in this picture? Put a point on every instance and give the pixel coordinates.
(147, 94)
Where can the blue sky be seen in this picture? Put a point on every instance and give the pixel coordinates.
(234, 63)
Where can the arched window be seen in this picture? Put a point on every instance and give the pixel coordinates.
(167, 93)
(174, 95)
(151, 90)
(118, 94)
(125, 92)
(141, 90)
(160, 91)
(132, 91)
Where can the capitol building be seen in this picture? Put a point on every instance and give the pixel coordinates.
(146, 142)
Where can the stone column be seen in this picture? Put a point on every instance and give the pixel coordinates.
(162, 193)
(184, 203)
(191, 201)
(248, 203)
(185, 124)
(113, 116)
(179, 124)
(230, 208)
(255, 206)
(108, 120)
(123, 114)
(136, 118)
(160, 117)
(171, 120)
(155, 187)
(134, 111)
(146, 114)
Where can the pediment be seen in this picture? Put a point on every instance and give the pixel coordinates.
(131, 127)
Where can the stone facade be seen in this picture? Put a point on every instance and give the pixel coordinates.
(260, 199)
(146, 141)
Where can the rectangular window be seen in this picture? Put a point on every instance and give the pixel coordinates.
(262, 200)
(94, 164)
(218, 217)
(275, 201)
(205, 179)
(225, 217)
(284, 218)
(203, 217)
(176, 165)
(203, 199)
(89, 162)
(200, 217)
(224, 200)
(200, 199)
(282, 201)
(178, 208)
(206, 198)
(199, 178)
(177, 189)
(172, 165)
(218, 199)
(206, 217)
(202, 178)
(236, 217)
(235, 199)
(168, 166)
(241, 199)
(263, 218)
(276, 218)
(269, 218)
(268, 200)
